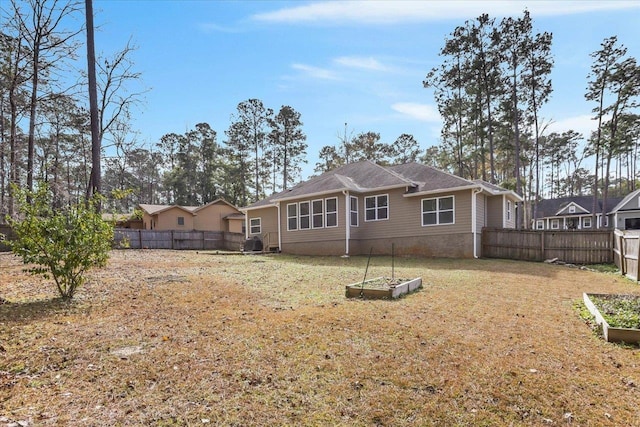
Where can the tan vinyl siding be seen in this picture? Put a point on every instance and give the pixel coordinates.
(495, 211)
(313, 235)
(405, 217)
(481, 209)
(268, 221)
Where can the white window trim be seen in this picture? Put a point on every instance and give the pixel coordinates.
(555, 222)
(327, 213)
(584, 222)
(540, 224)
(437, 211)
(352, 212)
(314, 214)
(572, 209)
(375, 209)
(509, 210)
(251, 226)
(300, 216)
(290, 217)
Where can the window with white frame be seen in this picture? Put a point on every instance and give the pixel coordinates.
(376, 208)
(305, 221)
(586, 222)
(555, 224)
(331, 212)
(438, 211)
(508, 210)
(572, 209)
(317, 213)
(292, 216)
(353, 211)
(255, 225)
(540, 224)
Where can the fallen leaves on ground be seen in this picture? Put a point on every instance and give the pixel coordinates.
(184, 338)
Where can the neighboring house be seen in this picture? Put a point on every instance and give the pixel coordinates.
(626, 214)
(363, 207)
(570, 213)
(218, 215)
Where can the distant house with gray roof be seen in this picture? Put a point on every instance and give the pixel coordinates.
(571, 213)
(363, 207)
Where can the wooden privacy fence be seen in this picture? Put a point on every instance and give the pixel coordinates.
(627, 253)
(571, 246)
(201, 240)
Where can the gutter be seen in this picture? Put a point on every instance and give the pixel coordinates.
(246, 225)
(347, 222)
(279, 228)
(443, 190)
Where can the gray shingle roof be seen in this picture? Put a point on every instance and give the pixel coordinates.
(428, 178)
(550, 207)
(367, 176)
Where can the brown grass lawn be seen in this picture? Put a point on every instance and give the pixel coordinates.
(184, 338)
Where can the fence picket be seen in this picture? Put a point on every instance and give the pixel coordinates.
(576, 246)
(194, 240)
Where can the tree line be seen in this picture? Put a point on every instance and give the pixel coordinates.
(493, 81)
(260, 154)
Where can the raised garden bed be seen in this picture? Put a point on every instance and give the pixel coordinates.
(618, 315)
(382, 288)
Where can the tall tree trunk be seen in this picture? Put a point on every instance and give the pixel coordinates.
(95, 179)
(32, 117)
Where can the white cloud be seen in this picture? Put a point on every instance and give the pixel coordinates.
(583, 124)
(361, 63)
(392, 12)
(422, 112)
(315, 72)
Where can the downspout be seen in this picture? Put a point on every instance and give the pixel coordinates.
(474, 225)
(246, 225)
(279, 229)
(347, 221)
(504, 213)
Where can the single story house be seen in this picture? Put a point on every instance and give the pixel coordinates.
(218, 215)
(570, 213)
(363, 207)
(626, 214)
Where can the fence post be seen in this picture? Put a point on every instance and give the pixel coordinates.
(140, 238)
(542, 249)
(171, 239)
(638, 262)
(623, 259)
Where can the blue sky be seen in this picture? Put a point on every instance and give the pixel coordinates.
(355, 62)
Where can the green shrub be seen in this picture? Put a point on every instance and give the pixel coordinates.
(61, 243)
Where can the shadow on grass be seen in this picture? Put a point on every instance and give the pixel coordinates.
(448, 264)
(21, 312)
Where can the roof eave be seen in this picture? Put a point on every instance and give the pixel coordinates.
(253, 208)
(442, 190)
